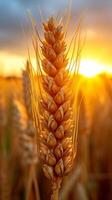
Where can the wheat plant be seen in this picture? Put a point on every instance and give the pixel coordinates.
(54, 93)
(25, 132)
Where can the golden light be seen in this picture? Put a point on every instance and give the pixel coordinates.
(91, 68)
(13, 65)
(10, 64)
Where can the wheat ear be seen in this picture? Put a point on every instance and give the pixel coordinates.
(54, 106)
(31, 131)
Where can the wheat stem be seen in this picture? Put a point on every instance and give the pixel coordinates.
(55, 188)
(29, 184)
(55, 195)
(36, 187)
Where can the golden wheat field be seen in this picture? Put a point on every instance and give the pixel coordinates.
(91, 176)
(55, 100)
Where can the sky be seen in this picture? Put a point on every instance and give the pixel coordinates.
(15, 29)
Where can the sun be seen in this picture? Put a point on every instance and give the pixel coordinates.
(91, 68)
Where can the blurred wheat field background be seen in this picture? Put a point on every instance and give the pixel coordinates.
(91, 177)
(56, 101)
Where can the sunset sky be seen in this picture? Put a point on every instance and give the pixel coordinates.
(13, 20)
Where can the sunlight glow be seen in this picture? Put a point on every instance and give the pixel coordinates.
(91, 68)
(10, 65)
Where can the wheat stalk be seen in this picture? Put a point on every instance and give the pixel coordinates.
(5, 190)
(2, 113)
(2, 120)
(27, 146)
(4, 173)
(53, 104)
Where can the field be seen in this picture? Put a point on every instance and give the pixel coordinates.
(91, 177)
(55, 100)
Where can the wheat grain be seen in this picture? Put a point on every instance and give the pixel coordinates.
(58, 104)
